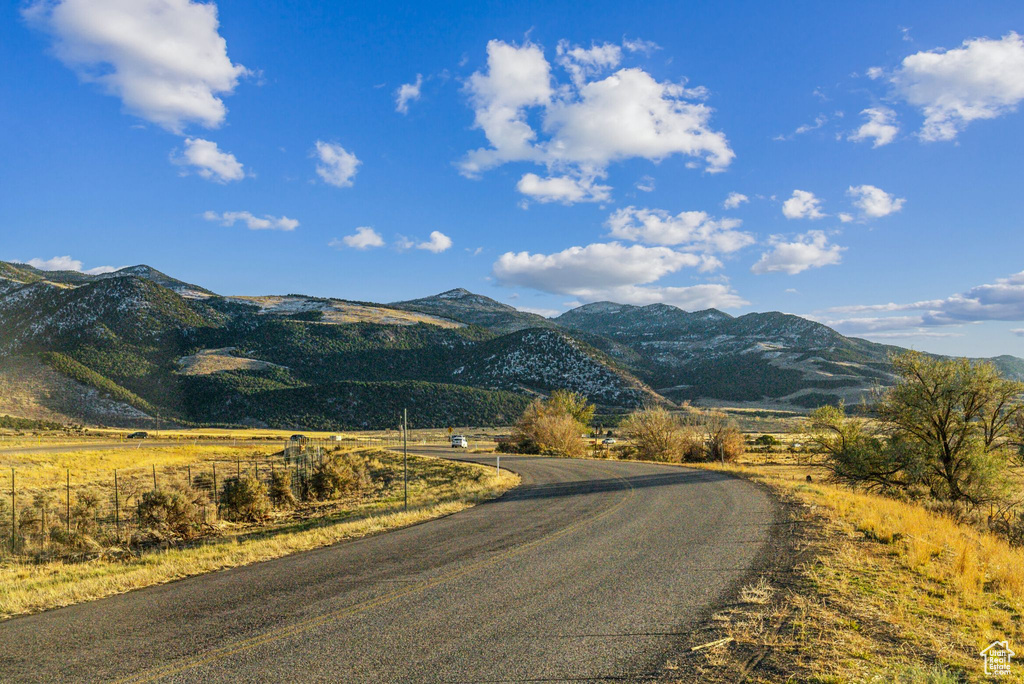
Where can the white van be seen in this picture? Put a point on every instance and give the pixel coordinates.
(459, 442)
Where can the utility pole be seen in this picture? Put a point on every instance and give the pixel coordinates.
(405, 455)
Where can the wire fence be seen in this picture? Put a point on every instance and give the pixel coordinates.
(126, 507)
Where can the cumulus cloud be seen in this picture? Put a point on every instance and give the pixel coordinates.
(1019, 332)
(164, 59)
(588, 123)
(982, 79)
(802, 205)
(336, 166)
(66, 263)
(881, 127)
(810, 250)
(209, 161)
(874, 202)
(564, 189)
(691, 229)
(251, 221)
(577, 270)
(613, 271)
(1002, 300)
(584, 63)
(734, 200)
(437, 243)
(365, 237)
(406, 93)
(844, 217)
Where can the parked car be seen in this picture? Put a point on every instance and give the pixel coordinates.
(459, 442)
(138, 435)
(609, 441)
(297, 438)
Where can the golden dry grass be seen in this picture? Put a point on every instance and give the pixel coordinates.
(40, 470)
(894, 592)
(441, 488)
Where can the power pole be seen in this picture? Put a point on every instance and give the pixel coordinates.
(405, 455)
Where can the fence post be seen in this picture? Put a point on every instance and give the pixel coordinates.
(216, 495)
(238, 468)
(405, 455)
(67, 502)
(117, 508)
(154, 477)
(14, 517)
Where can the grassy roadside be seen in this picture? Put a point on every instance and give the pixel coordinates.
(883, 590)
(450, 487)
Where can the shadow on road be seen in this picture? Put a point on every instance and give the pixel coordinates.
(563, 489)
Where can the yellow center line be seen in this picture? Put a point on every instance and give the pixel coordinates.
(312, 623)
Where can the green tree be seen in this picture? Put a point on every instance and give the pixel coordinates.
(573, 404)
(947, 428)
(859, 456)
(957, 417)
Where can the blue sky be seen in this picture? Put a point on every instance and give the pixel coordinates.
(539, 154)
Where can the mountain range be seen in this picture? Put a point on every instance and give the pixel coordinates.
(136, 345)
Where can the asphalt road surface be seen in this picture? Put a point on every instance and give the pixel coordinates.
(591, 570)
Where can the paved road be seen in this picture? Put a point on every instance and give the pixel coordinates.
(590, 570)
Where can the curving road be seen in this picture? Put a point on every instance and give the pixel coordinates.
(590, 570)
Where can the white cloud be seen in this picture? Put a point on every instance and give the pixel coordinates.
(881, 127)
(645, 184)
(691, 229)
(546, 313)
(982, 79)
(844, 217)
(578, 270)
(802, 205)
(1002, 300)
(437, 243)
(874, 202)
(810, 250)
(586, 124)
(66, 263)
(1019, 332)
(639, 45)
(734, 200)
(690, 298)
(406, 93)
(584, 63)
(564, 189)
(209, 161)
(57, 263)
(614, 272)
(164, 59)
(252, 222)
(819, 121)
(365, 237)
(337, 166)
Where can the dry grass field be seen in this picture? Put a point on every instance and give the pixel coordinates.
(885, 590)
(436, 487)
